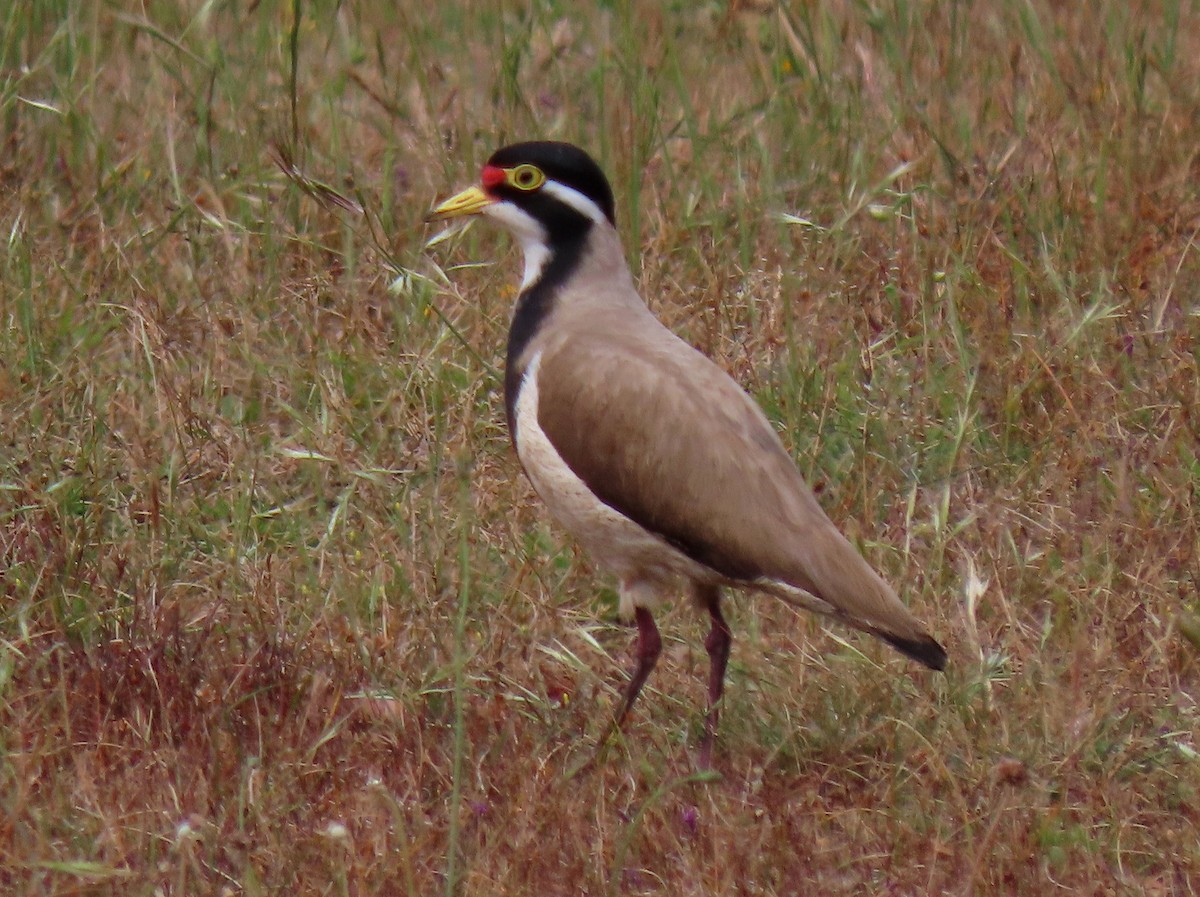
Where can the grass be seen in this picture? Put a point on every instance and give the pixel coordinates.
(280, 612)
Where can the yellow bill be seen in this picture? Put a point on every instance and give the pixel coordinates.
(471, 201)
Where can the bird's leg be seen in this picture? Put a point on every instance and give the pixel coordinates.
(717, 644)
(649, 647)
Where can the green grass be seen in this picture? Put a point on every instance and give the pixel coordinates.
(280, 612)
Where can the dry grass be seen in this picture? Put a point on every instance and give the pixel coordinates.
(281, 616)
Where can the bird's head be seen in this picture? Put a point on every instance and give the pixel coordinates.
(546, 193)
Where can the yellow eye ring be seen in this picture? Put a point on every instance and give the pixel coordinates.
(526, 177)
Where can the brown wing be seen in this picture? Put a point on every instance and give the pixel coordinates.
(662, 435)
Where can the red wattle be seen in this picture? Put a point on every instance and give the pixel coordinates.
(492, 176)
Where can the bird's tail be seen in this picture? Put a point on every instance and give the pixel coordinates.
(925, 648)
(832, 578)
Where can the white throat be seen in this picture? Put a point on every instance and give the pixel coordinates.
(529, 233)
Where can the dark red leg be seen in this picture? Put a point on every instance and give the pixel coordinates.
(717, 644)
(649, 647)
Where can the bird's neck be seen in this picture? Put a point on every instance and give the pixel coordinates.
(547, 268)
(537, 255)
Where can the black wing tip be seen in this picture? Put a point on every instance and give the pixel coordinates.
(925, 649)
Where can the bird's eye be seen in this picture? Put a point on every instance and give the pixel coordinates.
(526, 177)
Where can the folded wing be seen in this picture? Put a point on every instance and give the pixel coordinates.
(663, 436)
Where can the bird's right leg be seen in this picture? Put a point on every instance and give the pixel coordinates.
(648, 649)
(637, 597)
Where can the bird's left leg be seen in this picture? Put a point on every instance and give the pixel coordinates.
(718, 643)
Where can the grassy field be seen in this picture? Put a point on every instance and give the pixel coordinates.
(282, 616)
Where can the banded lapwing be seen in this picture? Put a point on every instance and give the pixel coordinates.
(662, 467)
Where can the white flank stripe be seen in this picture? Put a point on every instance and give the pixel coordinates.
(645, 565)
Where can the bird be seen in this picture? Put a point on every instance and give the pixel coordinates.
(661, 466)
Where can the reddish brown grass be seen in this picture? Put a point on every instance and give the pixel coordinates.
(251, 436)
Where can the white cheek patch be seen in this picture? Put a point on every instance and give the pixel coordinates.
(529, 233)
